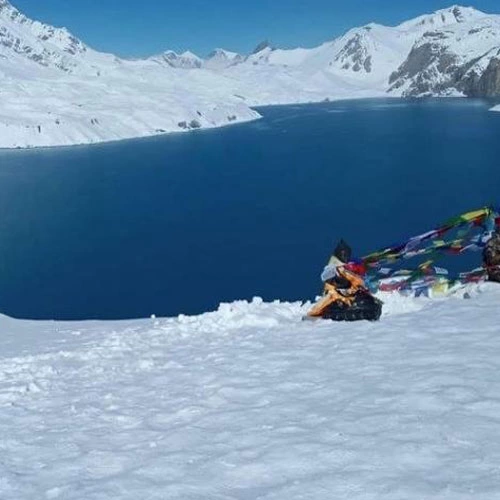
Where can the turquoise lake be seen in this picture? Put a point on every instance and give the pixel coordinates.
(177, 224)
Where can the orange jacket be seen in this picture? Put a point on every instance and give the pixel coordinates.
(332, 294)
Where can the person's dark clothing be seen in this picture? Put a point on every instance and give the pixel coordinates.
(339, 282)
(343, 252)
(491, 257)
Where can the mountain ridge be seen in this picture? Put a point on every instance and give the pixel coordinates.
(57, 90)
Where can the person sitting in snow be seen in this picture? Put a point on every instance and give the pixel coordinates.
(491, 257)
(346, 297)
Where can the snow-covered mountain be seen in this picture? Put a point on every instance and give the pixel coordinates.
(221, 59)
(22, 39)
(250, 402)
(56, 90)
(186, 60)
(459, 57)
(452, 51)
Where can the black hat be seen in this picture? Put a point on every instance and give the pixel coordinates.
(343, 251)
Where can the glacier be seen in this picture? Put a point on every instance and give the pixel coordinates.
(58, 91)
(250, 402)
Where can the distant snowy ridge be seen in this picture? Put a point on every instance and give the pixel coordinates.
(186, 60)
(221, 59)
(56, 90)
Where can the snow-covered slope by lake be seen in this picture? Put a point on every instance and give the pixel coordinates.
(58, 91)
(249, 402)
(133, 101)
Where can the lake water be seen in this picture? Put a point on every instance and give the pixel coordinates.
(178, 224)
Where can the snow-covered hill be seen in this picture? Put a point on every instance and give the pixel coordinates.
(58, 91)
(249, 402)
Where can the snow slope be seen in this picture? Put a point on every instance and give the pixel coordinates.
(130, 102)
(249, 402)
(56, 90)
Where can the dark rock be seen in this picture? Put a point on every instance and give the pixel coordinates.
(485, 85)
(457, 12)
(418, 60)
(421, 67)
(473, 31)
(435, 35)
(355, 55)
(368, 64)
(262, 45)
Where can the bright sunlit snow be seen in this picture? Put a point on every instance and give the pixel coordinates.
(250, 402)
(58, 91)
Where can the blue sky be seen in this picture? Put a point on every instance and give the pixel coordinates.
(134, 28)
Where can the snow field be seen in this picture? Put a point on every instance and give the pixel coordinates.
(250, 402)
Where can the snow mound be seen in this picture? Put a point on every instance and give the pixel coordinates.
(251, 402)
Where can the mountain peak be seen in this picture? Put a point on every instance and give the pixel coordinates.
(192, 55)
(456, 14)
(186, 60)
(262, 46)
(221, 53)
(221, 58)
(462, 13)
(41, 45)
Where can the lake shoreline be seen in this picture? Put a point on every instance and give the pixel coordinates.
(495, 108)
(126, 230)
